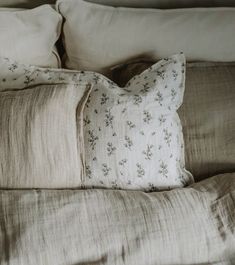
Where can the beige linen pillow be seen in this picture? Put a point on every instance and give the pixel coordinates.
(40, 129)
(29, 36)
(207, 114)
(97, 37)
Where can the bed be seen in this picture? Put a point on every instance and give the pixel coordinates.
(110, 154)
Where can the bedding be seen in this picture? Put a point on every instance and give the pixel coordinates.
(97, 37)
(41, 136)
(132, 135)
(165, 3)
(194, 225)
(207, 114)
(40, 127)
(29, 36)
(130, 3)
(156, 139)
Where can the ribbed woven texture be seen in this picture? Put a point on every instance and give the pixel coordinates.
(40, 147)
(194, 225)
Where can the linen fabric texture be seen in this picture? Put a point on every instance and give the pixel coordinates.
(194, 225)
(132, 135)
(29, 36)
(40, 127)
(97, 37)
(130, 3)
(207, 114)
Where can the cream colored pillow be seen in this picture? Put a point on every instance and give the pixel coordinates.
(29, 36)
(97, 37)
(133, 135)
(40, 129)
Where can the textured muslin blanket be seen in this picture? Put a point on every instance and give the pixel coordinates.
(194, 225)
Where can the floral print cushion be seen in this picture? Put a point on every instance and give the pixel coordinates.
(133, 135)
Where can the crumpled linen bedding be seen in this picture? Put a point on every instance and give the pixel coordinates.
(193, 225)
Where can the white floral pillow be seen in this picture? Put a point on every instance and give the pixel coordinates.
(133, 135)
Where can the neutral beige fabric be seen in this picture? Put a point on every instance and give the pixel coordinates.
(207, 114)
(40, 127)
(166, 3)
(194, 225)
(29, 36)
(130, 3)
(208, 119)
(97, 37)
(160, 157)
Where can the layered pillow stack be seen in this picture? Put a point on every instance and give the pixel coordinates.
(79, 129)
(98, 37)
(108, 124)
(128, 138)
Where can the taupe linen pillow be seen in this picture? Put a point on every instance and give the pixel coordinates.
(40, 129)
(207, 114)
(97, 37)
